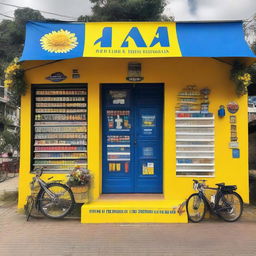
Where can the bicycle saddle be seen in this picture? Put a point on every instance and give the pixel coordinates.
(220, 184)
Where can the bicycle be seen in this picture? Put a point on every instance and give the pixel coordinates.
(225, 203)
(54, 200)
(3, 173)
(8, 169)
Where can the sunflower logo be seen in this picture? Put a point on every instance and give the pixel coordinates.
(61, 41)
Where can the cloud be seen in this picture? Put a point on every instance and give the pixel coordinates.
(211, 9)
(192, 6)
(73, 8)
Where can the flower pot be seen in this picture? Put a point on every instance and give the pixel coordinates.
(80, 193)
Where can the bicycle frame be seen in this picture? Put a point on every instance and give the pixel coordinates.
(212, 205)
(43, 187)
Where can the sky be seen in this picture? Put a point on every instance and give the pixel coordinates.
(180, 9)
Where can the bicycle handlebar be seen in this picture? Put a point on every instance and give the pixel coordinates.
(39, 171)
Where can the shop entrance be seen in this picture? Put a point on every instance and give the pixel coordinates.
(132, 129)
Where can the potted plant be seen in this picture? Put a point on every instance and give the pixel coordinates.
(79, 181)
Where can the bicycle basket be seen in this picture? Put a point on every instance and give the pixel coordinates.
(228, 188)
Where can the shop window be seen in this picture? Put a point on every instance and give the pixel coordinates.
(60, 128)
(194, 134)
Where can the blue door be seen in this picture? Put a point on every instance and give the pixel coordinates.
(132, 122)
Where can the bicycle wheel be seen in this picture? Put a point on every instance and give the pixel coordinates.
(60, 204)
(196, 208)
(3, 175)
(29, 207)
(230, 206)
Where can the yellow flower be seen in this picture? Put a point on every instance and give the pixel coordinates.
(246, 79)
(61, 41)
(8, 83)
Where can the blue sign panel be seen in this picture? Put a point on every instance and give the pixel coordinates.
(53, 41)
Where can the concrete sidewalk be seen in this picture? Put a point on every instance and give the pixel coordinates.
(9, 189)
(68, 237)
(42, 236)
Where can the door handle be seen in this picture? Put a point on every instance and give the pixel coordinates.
(135, 142)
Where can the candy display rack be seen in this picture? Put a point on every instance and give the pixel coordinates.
(59, 133)
(194, 134)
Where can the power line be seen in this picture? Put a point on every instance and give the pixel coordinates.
(52, 13)
(6, 16)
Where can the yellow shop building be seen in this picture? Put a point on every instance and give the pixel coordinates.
(146, 107)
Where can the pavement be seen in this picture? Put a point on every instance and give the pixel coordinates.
(68, 237)
(9, 189)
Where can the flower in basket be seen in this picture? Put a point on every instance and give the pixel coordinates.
(79, 177)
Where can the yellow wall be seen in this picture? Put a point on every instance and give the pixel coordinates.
(175, 73)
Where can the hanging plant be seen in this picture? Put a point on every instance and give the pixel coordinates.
(242, 76)
(14, 78)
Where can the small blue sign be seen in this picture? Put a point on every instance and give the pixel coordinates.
(56, 77)
(236, 153)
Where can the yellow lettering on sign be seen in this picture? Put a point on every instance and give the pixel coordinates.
(129, 40)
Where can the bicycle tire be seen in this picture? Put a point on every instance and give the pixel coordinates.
(29, 207)
(61, 206)
(3, 175)
(193, 213)
(233, 214)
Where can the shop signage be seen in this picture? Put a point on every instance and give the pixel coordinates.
(133, 211)
(131, 40)
(56, 77)
(160, 36)
(233, 119)
(235, 153)
(232, 107)
(134, 79)
(233, 144)
(75, 74)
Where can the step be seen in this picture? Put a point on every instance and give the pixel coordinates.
(134, 211)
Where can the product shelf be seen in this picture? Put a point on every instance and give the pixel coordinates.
(195, 146)
(61, 158)
(194, 125)
(198, 176)
(196, 139)
(60, 120)
(189, 112)
(194, 164)
(54, 124)
(194, 152)
(58, 132)
(196, 131)
(45, 145)
(60, 164)
(64, 101)
(194, 157)
(64, 95)
(195, 170)
(193, 118)
(194, 134)
(58, 113)
(57, 151)
(62, 107)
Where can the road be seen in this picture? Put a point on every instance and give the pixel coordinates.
(68, 237)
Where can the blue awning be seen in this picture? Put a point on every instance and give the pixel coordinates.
(56, 41)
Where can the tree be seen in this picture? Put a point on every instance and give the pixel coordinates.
(12, 35)
(21, 16)
(250, 32)
(127, 10)
(9, 141)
